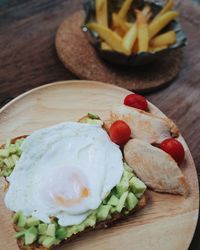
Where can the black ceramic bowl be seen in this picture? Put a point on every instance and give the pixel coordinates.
(134, 59)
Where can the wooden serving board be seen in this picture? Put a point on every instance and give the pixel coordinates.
(167, 222)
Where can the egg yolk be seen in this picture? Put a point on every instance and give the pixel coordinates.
(77, 184)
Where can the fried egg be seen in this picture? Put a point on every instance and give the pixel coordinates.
(65, 171)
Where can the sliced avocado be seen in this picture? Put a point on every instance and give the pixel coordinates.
(8, 162)
(42, 229)
(49, 241)
(51, 230)
(61, 233)
(90, 221)
(113, 201)
(121, 203)
(132, 201)
(30, 235)
(16, 217)
(20, 234)
(21, 220)
(32, 222)
(81, 227)
(137, 186)
(139, 195)
(103, 212)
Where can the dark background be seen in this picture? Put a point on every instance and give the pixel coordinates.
(28, 59)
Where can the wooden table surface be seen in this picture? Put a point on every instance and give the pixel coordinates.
(28, 59)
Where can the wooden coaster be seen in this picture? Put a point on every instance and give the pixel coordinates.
(79, 56)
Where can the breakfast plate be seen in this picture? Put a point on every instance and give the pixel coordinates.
(166, 222)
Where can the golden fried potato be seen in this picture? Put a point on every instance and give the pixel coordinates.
(168, 6)
(159, 23)
(118, 22)
(142, 32)
(105, 46)
(124, 9)
(165, 39)
(130, 38)
(157, 48)
(109, 36)
(102, 12)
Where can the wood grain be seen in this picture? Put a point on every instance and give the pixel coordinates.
(28, 59)
(150, 228)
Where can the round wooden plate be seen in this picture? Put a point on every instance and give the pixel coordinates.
(79, 56)
(167, 222)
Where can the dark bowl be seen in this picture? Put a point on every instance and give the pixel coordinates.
(134, 59)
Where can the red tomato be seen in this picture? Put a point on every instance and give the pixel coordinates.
(136, 101)
(119, 132)
(174, 148)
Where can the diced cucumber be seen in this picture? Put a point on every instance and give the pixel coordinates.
(93, 116)
(16, 217)
(127, 168)
(132, 201)
(61, 233)
(103, 212)
(90, 221)
(19, 234)
(12, 149)
(121, 202)
(51, 230)
(21, 220)
(4, 152)
(49, 241)
(8, 143)
(15, 158)
(42, 229)
(122, 187)
(32, 222)
(113, 201)
(41, 239)
(9, 162)
(113, 210)
(30, 235)
(137, 186)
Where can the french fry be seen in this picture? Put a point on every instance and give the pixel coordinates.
(102, 12)
(142, 32)
(129, 38)
(156, 49)
(147, 12)
(105, 46)
(135, 47)
(164, 39)
(159, 23)
(168, 6)
(120, 31)
(118, 22)
(124, 9)
(109, 36)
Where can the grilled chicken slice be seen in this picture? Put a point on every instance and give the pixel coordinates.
(144, 125)
(157, 169)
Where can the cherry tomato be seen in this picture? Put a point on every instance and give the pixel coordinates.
(119, 132)
(136, 101)
(174, 148)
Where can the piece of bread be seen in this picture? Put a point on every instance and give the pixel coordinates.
(144, 125)
(100, 225)
(157, 169)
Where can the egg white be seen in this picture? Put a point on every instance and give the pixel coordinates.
(60, 162)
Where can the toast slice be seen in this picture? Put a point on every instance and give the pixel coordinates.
(144, 125)
(157, 169)
(99, 225)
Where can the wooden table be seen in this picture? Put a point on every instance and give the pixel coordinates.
(28, 59)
